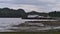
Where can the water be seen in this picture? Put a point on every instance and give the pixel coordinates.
(6, 23)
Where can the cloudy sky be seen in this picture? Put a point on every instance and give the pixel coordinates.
(30, 5)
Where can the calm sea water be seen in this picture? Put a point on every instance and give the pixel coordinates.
(6, 23)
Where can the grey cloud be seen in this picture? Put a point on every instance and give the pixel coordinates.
(47, 4)
(31, 2)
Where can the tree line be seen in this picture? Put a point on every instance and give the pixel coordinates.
(7, 12)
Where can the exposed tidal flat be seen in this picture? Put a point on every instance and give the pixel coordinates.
(17, 25)
(35, 27)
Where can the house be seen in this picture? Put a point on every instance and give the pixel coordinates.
(38, 18)
(34, 16)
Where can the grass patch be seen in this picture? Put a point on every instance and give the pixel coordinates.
(51, 32)
(48, 32)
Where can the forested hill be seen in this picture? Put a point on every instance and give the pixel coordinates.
(6, 12)
(9, 13)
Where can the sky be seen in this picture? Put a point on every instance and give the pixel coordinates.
(32, 5)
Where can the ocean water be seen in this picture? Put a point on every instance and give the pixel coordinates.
(6, 23)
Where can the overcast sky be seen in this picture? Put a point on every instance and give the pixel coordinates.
(30, 5)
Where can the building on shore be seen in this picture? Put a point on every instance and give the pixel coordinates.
(38, 18)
